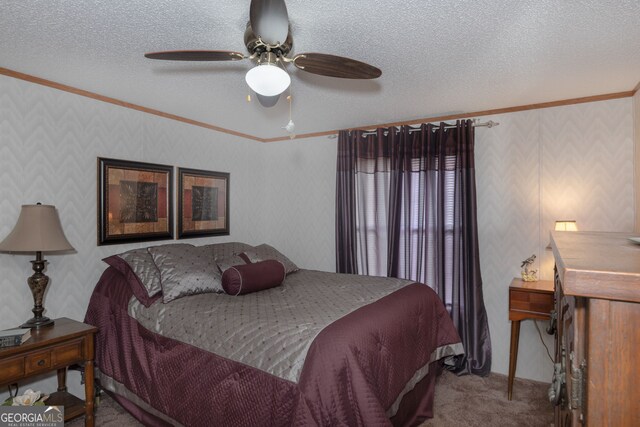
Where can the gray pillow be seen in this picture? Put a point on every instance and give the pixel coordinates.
(264, 252)
(186, 270)
(222, 250)
(141, 263)
(224, 263)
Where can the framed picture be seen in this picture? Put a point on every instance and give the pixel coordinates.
(203, 203)
(135, 201)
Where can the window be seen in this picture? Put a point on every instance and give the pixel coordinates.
(424, 207)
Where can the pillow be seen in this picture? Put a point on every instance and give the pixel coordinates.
(227, 262)
(137, 287)
(222, 250)
(185, 270)
(264, 252)
(243, 279)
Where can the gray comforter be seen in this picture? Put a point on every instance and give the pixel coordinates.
(281, 322)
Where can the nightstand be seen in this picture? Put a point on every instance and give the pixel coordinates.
(527, 300)
(55, 348)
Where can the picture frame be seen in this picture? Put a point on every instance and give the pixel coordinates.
(203, 203)
(135, 201)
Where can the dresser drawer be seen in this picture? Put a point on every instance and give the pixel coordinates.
(39, 361)
(11, 369)
(536, 303)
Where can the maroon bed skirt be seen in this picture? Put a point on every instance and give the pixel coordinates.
(138, 413)
(415, 408)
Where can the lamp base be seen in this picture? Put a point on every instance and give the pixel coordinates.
(36, 323)
(38, 284)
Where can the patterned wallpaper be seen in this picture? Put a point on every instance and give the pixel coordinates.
(572, 162)
(537, 166)
(300, 206)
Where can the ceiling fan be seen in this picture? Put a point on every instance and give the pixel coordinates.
(269, 42)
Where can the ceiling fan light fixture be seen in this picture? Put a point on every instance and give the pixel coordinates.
(267, 101)
(268, 79)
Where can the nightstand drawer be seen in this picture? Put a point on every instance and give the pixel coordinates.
(40, 361)
(68, 353)
(11, 368)
(536, 303)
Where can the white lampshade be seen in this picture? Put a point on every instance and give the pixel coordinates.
(38, 230)
(268, 79)
(566, 225)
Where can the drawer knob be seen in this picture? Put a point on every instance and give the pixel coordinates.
(41, 362)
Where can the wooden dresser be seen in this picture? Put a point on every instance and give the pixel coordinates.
(597, 351)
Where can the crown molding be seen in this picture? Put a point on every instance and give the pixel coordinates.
(109, 100)
(474, 114)
(114, 101)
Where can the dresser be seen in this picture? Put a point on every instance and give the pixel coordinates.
(596, 378)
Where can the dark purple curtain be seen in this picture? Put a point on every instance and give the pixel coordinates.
(406, 207)
(346, 208)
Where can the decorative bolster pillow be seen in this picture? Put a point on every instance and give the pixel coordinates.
(243, 279)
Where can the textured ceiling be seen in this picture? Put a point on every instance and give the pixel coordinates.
(437, 57)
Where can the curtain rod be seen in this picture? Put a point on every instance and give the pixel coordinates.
(476, 123)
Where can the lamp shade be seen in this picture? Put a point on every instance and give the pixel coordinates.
(38, 230)
(566, 225)
(268, 79)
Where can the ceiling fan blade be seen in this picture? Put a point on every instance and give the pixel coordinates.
(335, 66)
(269, 20)
(196, 55)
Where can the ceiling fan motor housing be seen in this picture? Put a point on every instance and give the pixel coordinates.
(268, 58)
(258, 47)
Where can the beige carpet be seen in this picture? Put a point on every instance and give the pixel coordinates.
(475, 401)
(459, 401)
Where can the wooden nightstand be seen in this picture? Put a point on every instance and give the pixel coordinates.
(527, 300)
(55, 348)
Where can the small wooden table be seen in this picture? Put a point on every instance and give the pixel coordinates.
(527, 300)
(55, 348)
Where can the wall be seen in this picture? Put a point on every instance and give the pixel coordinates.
(49, 141)
(573, 162)
(300, 200)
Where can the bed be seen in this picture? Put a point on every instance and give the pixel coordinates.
(321, 349)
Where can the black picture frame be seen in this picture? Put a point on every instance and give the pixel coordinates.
(135, 201)
(203, 203)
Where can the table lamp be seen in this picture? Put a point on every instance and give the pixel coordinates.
(38, 230)
(566, 225)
